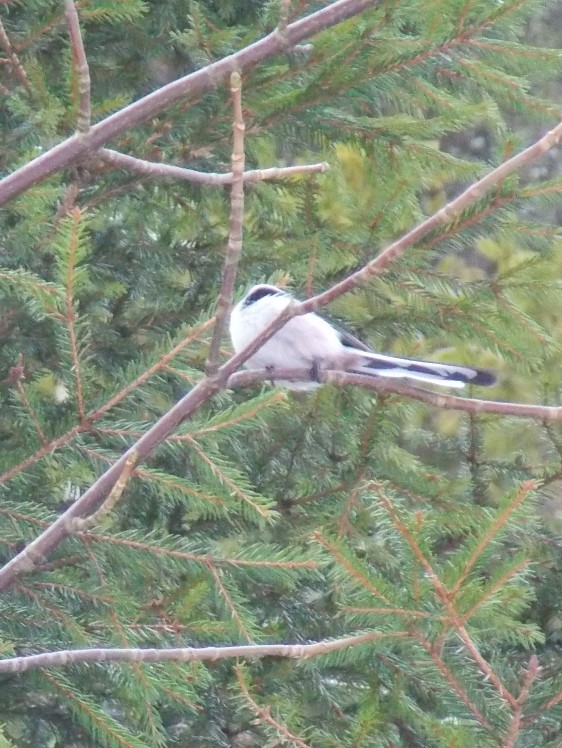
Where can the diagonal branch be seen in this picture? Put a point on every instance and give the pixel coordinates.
(83, 121)
(234, 247)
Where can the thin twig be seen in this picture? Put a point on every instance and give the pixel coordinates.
(70, 312)
(86, 523)
(189, 654)
(16, 65)
(234, 247)
(284, 11)
(84, 118)
(155, 170)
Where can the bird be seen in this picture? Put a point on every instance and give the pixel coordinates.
(310, 341)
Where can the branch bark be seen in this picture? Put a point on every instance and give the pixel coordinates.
(155, 170)
(234, 247)
(188, 654)
(80, 60)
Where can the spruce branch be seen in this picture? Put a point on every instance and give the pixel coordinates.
(223, 592)
(262, 511)
(83, 120)
(263, 713)
(15, 63)
(97, 414)
(445, 671)
(207, 388)
(498, 524)
(156, 170)
(353, 569)
(234, 247)
(529, 676)
(16, 377)
(444, 598)
(190, 86)
(67, 657)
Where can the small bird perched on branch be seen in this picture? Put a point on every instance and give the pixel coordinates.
(309, 341)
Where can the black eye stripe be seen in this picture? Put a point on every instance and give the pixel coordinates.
(260, 292)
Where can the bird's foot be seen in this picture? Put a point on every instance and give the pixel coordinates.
(315, 371)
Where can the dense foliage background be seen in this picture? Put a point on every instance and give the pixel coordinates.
(275, 517)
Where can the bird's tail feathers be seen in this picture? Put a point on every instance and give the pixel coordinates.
(431, 372)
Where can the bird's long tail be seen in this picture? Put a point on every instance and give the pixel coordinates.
(446, 375)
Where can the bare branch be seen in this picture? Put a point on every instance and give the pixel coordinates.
(234, 247)
(16, 65)
(380, 384)
(83, 121)
(188, 87)
(189, 654)
(155, 170)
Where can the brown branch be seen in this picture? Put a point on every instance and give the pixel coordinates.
(189, 654)
(234, 247)
(155, 170)
(529, 676)
(83, 120)
(263, 714)
(188, 87)
(16, 65)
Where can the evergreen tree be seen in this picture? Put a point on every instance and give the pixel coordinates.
(271, 517)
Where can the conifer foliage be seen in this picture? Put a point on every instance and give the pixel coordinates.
(347, 567)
